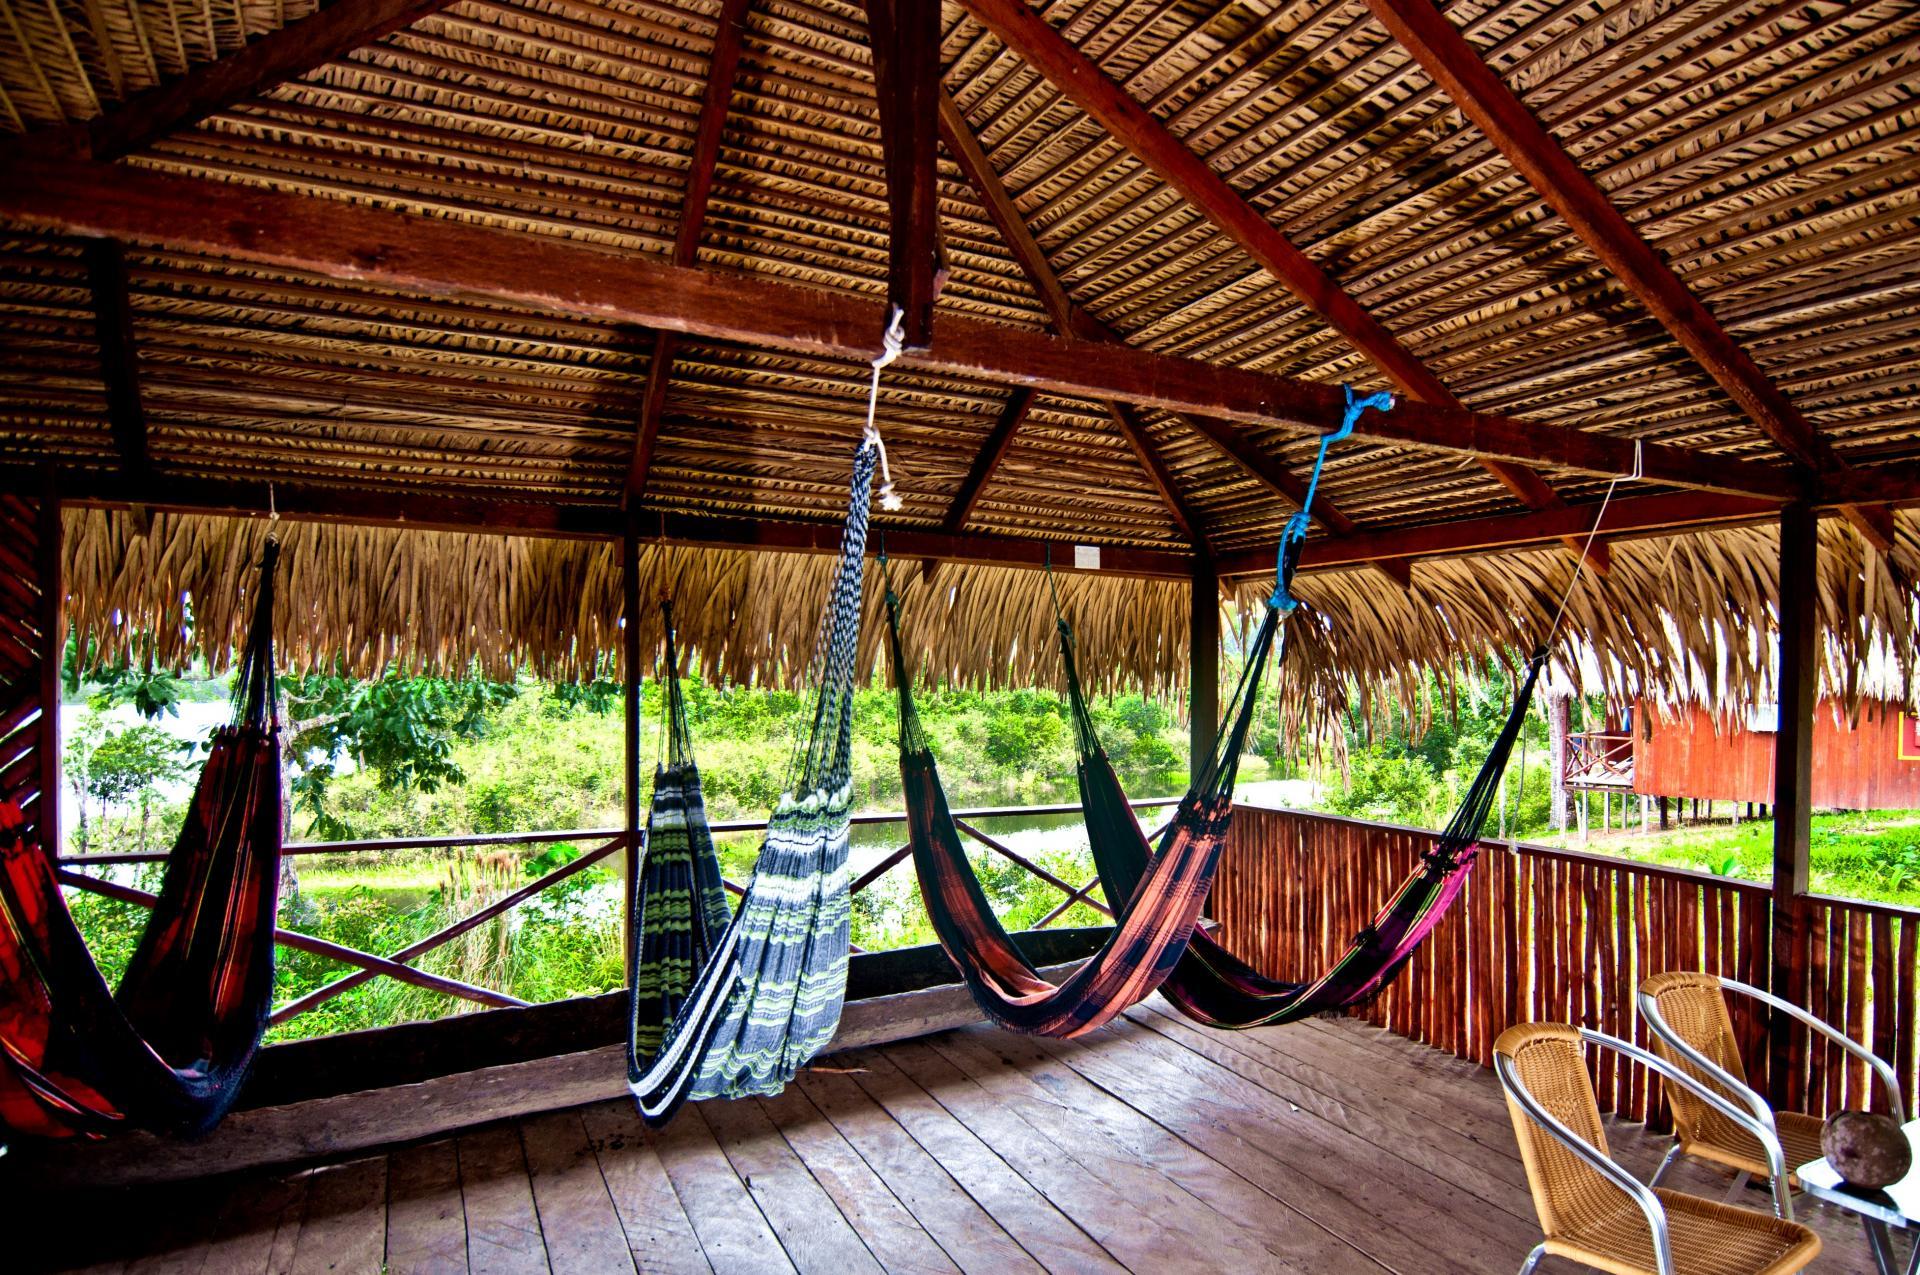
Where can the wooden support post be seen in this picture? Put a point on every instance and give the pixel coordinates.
(1203, 695)
(1557, 725)
(905, 37)
(119, 354)
(630, 673)
(1793, 788)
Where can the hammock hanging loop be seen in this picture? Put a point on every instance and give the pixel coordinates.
(1294, 534)
(892, 341)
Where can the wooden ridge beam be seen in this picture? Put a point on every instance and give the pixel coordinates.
(1626, 516)
(722, 74)
(1503, 119)
(1077, 76)
(119, 353)
(904, 36)
(437, 256)
(330, 32)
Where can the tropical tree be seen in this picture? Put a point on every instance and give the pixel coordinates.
(130, 765)
(401, 729)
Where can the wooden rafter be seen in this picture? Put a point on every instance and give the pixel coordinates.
(440, 256)
(905, 39)
(722, 74)
(1626, 516)
(330, 32)
(1497, 111)
(1134, 430)
(992, 451)
(119, 353)
(1072, 320)
(1077, 76)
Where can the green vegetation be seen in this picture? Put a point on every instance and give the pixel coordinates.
(407, 757)
(1857, 854)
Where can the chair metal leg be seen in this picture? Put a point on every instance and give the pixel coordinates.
(1533, 1258)
(1673, 1153)
(1740, 1181)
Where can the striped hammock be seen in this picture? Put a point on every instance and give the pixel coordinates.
(169, 1048)
(766, 996)
(679, 903)
(1154, 920)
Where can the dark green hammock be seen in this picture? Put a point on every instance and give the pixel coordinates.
(766, 995)
(679, 903)
(1152, 924)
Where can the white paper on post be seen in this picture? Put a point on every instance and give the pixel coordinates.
(1086, 557)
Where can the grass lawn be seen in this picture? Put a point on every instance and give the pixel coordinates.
(1858, 854)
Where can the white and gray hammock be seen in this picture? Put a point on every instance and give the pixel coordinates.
(766, 996)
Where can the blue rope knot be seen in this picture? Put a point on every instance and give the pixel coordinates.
(1295, 532)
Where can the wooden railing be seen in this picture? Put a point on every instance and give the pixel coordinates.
(1599, 759)
(604, 844)
(1543, 934)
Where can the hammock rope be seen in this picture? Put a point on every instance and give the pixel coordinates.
(767, 995)
(170, 1048)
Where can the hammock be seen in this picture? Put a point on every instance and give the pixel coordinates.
(1155, 918)
(679, 903)
(767, 997)
(1212, 986)
(170, 1049)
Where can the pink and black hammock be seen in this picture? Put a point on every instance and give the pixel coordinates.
(168, 1051)
(1213, 986)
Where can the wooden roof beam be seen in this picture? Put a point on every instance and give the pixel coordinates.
(439, 256)
(1625, 516)
(1073, 321)
(329, 33)
(722, 74)
(441, 510)
(1077, 76)
(904, 36)
(1497, 111)
(119, 354)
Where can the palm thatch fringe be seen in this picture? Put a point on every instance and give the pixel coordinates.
(1679, 620)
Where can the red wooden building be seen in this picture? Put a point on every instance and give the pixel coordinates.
(1869, 764)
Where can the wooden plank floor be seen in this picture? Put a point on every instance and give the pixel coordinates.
(1150, 1146)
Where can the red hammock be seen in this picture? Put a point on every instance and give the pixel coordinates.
(170, 1049)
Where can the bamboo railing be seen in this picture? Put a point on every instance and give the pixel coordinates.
(1565, 936)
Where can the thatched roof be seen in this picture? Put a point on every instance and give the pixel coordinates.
(1768, 154)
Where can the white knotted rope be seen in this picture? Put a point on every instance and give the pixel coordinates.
(891, 342)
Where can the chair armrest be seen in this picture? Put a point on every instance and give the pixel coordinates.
(1634, 1189)
(1756, 1105)
(1762, 1129)
(1881, 1069)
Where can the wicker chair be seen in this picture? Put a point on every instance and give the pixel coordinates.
(1592, 1210)
(1687, 1014)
